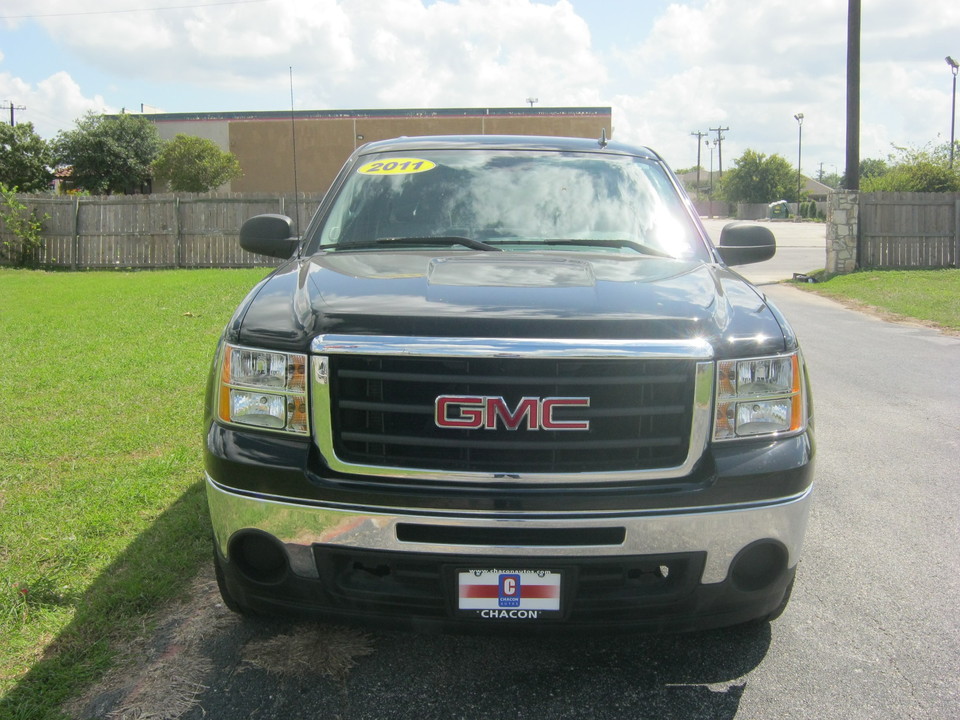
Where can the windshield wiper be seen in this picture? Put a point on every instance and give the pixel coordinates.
(428, 241)
(611, 243)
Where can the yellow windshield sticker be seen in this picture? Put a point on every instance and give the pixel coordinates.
(397, 166)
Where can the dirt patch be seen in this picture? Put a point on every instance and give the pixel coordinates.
(310, 651)
(163, 673)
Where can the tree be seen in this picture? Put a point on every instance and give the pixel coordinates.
(193, 164)
(923, 169)
(110, 153)
(832, 179)
(757, 178)
(872, 167)
(24, 224)
(25, 159)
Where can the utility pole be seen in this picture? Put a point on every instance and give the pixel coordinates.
(12, 108)
(720, 139)
(852, 175)
(699, 135)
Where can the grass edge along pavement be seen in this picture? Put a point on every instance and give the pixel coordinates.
(102, 512)
(931, 297)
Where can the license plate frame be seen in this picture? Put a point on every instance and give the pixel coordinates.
(510, 594)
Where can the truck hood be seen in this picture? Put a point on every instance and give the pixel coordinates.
(510, 295)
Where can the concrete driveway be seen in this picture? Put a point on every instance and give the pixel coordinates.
(801, 248)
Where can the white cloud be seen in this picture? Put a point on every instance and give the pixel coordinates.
(354, 53)
(751, 66)
(53, 104)
(736, 63)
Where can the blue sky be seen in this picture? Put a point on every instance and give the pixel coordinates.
(666, 68)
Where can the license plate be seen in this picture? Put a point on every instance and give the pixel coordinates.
(510, 594)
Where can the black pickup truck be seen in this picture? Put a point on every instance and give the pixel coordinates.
(508, 382)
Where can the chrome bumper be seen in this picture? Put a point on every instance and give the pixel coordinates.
(721, 531)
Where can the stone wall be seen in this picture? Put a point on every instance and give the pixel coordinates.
(843, 217)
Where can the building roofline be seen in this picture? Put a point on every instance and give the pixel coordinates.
(379, 114)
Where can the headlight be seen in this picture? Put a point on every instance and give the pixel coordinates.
(759, 396)
(264, 389)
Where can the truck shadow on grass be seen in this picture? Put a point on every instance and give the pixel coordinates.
(197, 660)
(115, 611)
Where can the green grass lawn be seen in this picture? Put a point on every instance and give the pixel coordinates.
(932, 296)
(102, 512)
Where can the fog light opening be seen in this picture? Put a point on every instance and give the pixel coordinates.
(759, 565)
(259, 556)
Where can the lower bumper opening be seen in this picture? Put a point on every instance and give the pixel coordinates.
(414, 591)
(426, 584)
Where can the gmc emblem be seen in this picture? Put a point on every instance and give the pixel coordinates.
(473, 412)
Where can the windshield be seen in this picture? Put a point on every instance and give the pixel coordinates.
(511, 200)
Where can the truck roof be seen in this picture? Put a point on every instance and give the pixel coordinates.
(507, 142)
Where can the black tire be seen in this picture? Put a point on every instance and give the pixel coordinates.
(228, 599)
(778, 611)
(770, 616)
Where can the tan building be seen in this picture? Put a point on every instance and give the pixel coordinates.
(263, 142)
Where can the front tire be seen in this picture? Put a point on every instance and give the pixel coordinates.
(779, 610)
(229, 600)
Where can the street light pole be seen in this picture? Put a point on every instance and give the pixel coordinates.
(954, 66)
(711, 165)
(699, 135)
(799, 118)
(711, 175)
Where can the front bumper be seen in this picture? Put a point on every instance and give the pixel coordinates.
(676, 569)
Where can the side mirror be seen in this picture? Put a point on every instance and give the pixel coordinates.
(742, 243)
(269, 235)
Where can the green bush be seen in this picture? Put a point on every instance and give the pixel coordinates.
(23, 223)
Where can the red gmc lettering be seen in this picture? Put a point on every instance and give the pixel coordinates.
(497, 408)
(470, 412)
(548, 423)
(473, 412)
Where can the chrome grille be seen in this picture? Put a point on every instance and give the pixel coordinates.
(382, 413)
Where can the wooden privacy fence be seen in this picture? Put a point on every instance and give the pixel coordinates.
(155, 231)
(909, 230)
(897, 230)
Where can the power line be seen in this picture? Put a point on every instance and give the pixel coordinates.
(130, 10)
(52, 118)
